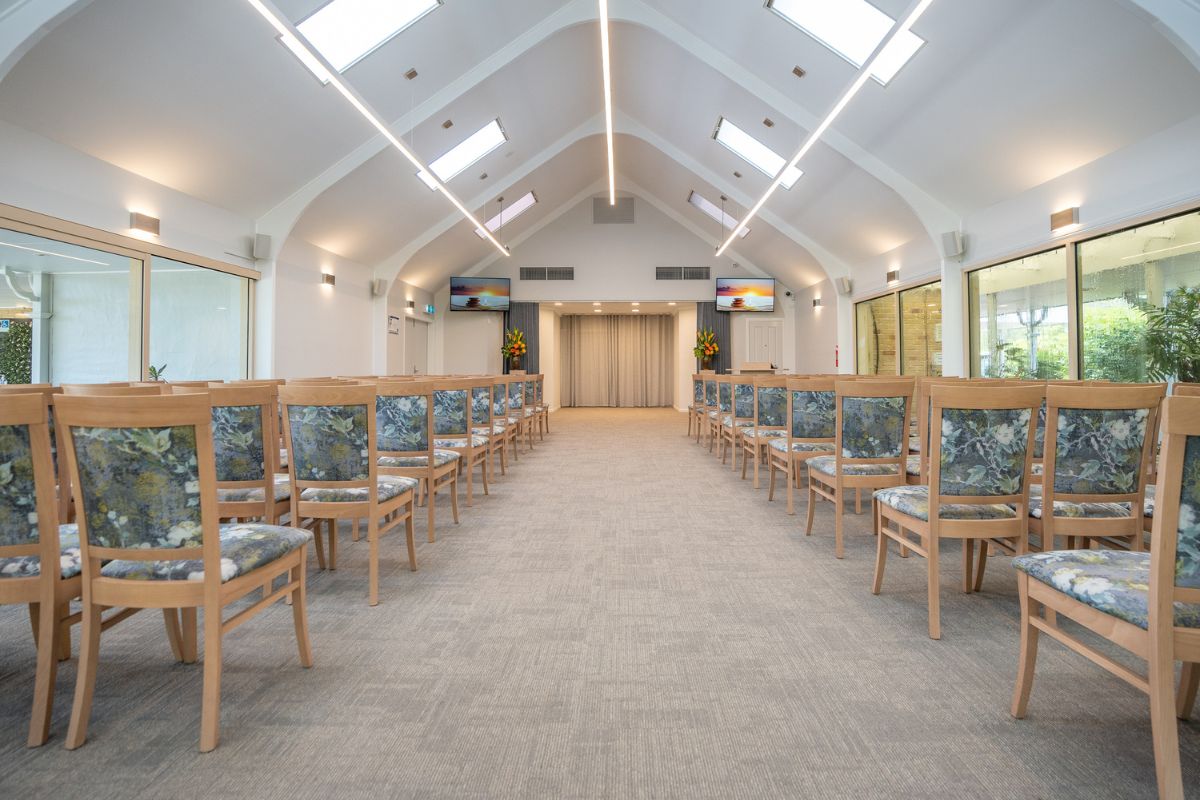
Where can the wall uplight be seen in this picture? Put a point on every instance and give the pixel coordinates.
(327, 279)
(143, 223)
(816, 302)
(1065, 220)
(893, 276)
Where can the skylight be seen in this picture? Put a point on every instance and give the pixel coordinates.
(506, 216)
(475, 147)
(708, 207)
(852, 29)
(346, 31)
(763, 158)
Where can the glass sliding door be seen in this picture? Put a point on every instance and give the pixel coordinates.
(876, 334)
(199, 322)
(1018, 318)
(1120, 276)
(68, 313)
(921, 330)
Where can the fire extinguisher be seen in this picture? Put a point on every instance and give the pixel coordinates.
(836, 356)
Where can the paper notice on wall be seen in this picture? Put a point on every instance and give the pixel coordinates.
(393, 325)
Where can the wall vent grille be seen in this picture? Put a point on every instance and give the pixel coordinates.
(681, 273)
(547, 273)
(695, 273)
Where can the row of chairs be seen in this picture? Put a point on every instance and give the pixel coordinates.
(170, 496)
(979, 461)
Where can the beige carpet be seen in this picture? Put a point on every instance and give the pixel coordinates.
(621, 618)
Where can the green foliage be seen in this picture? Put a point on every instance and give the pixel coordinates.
(156, 373)
(16, 352)
(1173, 337)
(1012, 361)
(1114, 342)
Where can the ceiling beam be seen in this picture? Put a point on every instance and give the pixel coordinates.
(1178, 21)
(26, 22)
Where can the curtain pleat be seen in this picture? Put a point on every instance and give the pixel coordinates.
(617, 361)
(707, 316)
(526, 317)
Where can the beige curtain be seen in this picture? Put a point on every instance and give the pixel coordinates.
(618, 361)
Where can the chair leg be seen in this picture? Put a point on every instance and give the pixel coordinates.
(484, 474)
(354, 534)
(771, 482)
(373, 564)
(430, 502)
(454, 496)
(1188, 683)
(409, 540)
(300, 608)
(471, 484)
(984, 547)
(858, 501)
(968, 559)
(933, 566)
(1029, 648)
(63, 631)
(47, 670)
(1163, 724)
(812, 503)
(332, 527)
(174, 635)
(85, 676)
(791, 485)
(319, 543)
(757, 461)
(839, 549)
(188, 635)
(210, 708)
(880, 552)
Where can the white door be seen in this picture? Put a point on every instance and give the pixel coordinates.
(416, 348)
(765, 342)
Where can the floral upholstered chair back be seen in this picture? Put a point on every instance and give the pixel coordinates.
(697, 392)
(772, 407)
(1187, 527)
(531, 392)
(330, 442)
(725, 396)
(814, 414)
(18, 495)
(500, 400)
(402, 423)
(450, 412)
(743, 400)
(985, 452)
(872, 426)
(710, 393)
(239, 442)
(516, 395)
(481, 405)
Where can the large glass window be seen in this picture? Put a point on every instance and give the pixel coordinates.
(921, 330)
(1018, 316)
(1120, 276)
(875, 331)
(69, 312)
(198, 322)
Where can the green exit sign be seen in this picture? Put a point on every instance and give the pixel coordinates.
(429, 308)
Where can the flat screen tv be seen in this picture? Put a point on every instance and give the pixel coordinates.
(479, 294)
(745, 294)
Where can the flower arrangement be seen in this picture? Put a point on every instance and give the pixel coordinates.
(706, 348)
(514, 345)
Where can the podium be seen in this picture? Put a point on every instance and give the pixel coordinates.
(756, 368)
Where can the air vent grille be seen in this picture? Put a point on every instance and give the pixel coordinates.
(681, 273)
(547, 273)
(695, 273)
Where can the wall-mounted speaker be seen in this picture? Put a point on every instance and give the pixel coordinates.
(262, 247)
(952, 244)
(843, 285)
(379, 287)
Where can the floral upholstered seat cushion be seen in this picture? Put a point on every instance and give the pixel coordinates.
(461, 441)
(245, 546)
(713, 413)
(801, 447)
(1065, 508)
(495, 430)
(283, 491)
(1116, 582)
(827, 465)
(912, 465)
(729, 422)
(30, 566)
(529, 412)
(764, 433)
(914, 444)
(389, 486)
(914, 501)
(1148, 506)
(440, 459)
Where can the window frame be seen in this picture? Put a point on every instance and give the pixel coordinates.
(895, 291)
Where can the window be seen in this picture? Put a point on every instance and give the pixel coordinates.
(1018, 318)
(198, 322)
(852, 29)
(1122, 274)
(708, 207)
(875, 334)
(463, 155)
(346, 31)
(761, 157)
(523, 204)
(921, 330)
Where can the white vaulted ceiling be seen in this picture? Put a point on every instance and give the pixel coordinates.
(1004, 97)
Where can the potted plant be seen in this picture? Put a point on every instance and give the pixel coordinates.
(514, 347)
(157, 373)
(706, 348)
(1173, 337)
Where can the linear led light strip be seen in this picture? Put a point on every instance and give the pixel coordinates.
(608, 113)
(864, 75)
(287, 30)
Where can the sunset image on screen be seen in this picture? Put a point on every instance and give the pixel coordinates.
(479, 294)
(745, 294)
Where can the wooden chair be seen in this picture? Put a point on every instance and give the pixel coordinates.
(107, 390)
(516, 410)
(1148, 603)
(508, 434)
(1098, 443)
(532, 416)
(870, 449)
(770, 422)
(980, 450)
(710, 410)
(540, 407)
(484, 422)
(334, 473)
(31, 536)
(740, 417)
(695, 411)
(405, 434)
(812, 409)
(1185, 390)
(246, 446)
(145, 486)
(724, 406)
(452, 429)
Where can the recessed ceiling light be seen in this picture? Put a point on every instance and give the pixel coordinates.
(558, 304)
(711, 209)
(852, 29)
(466, 153)
(635, 304)
(761, 157)
(672, 304)
(448, 124)
(523, 204)
(595, 304)
(346, 31)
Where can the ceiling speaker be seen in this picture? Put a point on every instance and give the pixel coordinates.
(952, 244)
(262, 247)
(843, 285)
(379, 287)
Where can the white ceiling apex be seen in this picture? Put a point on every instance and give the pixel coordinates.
(25, 22)
(1178, 22)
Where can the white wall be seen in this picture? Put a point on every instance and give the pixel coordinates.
(397, 306)
(321, 330)
(467, 341)
(549, 363)
(816, 330)
(685, 362)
